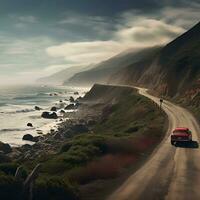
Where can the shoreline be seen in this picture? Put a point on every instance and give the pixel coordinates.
(87, 142)
(26, 113)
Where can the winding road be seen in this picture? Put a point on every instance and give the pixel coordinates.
(171, 173)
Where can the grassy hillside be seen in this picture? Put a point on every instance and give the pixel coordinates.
(172, 72)
(87, 165)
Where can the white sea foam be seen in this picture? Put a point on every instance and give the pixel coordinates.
(17, 109)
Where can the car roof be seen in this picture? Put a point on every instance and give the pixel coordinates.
(181, 129)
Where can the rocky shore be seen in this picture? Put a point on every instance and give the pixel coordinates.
(68, 122)
(94, 145)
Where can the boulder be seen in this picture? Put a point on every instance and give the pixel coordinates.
(71, 99)
(26, 147)
(70, 107)
(29, 137)
(39, 132)
(62, 112)
(30, 125)
(76, 93)
(79, 99)
(5, 148)
(38, 108)
(54, 109)
(49, 115)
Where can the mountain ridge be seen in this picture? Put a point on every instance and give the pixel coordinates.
(172, 71)
(102, 72)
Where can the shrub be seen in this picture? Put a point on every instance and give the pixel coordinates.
(65, 147)
(10, 188)
(121, 145)
(54, 188)
(10, 169)
(82, 149)
(106, 167)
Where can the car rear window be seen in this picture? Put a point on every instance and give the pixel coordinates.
(180, 131)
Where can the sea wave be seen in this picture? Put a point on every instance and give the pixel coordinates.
(42, 94)
(15, 129)
(25, 110)
(2, 104)
(19, 111)
(33, 96)
(25, 97)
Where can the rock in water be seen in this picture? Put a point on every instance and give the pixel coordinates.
(49, 115)
(54, 109)
(79, 99)
(29, 137)
(37, 108)
(62, 112)
(30, 125)
(70, 107)
(71, 99)
(6, 148)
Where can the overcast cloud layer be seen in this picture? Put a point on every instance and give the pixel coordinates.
(38, 39)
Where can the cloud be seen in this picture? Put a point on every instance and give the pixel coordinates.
(18, 56)
(85, 52)
(88, 26)
(130, 29)
(183, 17)
(142, 33)
(148, 32)
(28, 19)
(22, 22)
(33, 45)
(32, 75)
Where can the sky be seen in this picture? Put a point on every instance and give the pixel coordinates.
(41, 37)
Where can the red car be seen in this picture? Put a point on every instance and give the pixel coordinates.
(181, 135)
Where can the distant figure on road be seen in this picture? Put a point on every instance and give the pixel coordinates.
(161, 102)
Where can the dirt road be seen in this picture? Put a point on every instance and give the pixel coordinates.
(172, 173)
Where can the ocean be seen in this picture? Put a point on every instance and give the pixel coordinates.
(17, 109)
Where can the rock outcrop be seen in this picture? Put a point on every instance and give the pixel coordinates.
(29, 137)
(30, 125)
(54, 109)
(5, 148)
(49, 115)
(37, 108)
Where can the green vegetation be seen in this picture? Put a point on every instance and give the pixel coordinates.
(128, 129)
(10, 188)
(54, 188)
